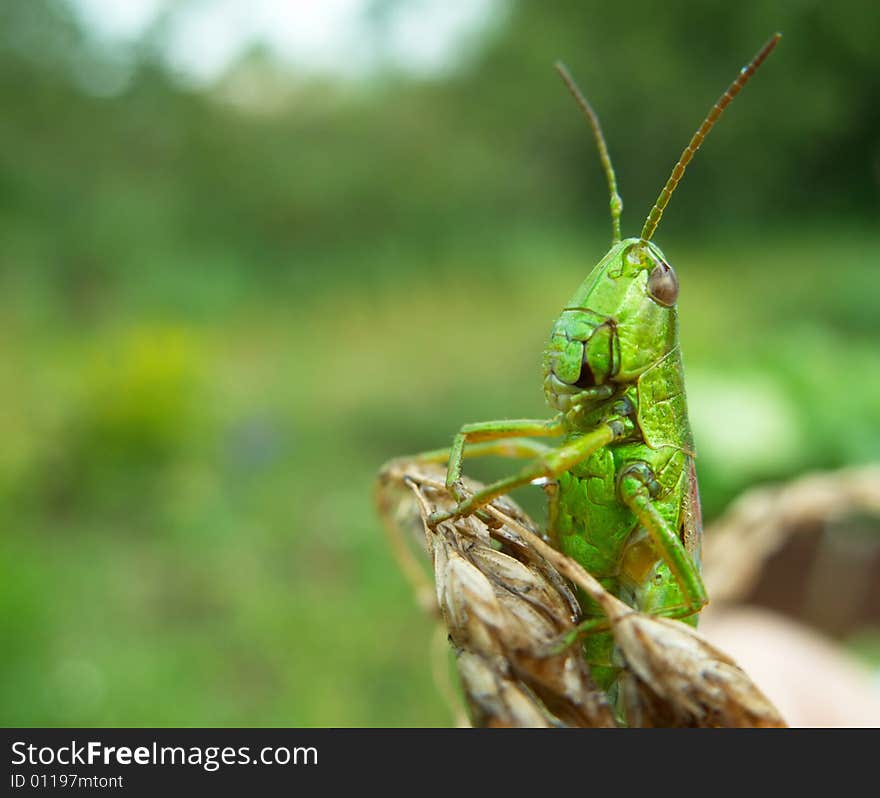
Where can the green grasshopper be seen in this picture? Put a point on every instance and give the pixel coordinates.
(622, 488)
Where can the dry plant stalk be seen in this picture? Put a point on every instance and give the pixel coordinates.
(504, 595)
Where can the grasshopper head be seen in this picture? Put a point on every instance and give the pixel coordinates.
(621, 320)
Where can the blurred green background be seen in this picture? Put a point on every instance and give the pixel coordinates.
(250, 251)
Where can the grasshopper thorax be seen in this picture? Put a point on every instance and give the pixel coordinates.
(620, 321)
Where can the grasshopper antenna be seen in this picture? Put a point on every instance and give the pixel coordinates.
(590, 114)
(744, 74)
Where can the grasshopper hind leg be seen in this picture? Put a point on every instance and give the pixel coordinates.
(657, 576)
(636, 485)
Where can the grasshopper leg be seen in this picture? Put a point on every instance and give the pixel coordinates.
(636, 494)
(549, 465)
(599, 623)
(492, 431)
(507, 438)
(520, 448)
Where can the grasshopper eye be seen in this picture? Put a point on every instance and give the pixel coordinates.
(663, 285)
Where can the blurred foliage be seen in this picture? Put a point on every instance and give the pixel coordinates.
(223, 309)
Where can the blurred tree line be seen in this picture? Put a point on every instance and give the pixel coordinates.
(100, 189)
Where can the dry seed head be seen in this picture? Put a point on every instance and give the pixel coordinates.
(700, 684)
(495, 700)
(502, 607)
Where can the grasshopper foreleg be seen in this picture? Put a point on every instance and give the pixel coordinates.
(519, 448)
(549, 465)
(486, 431)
